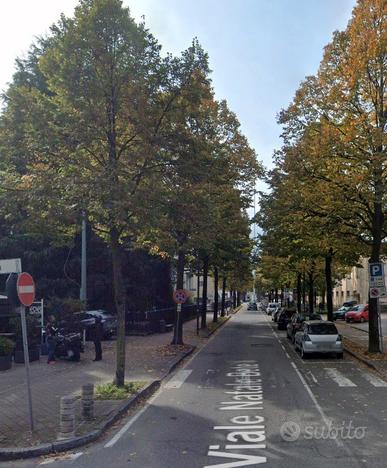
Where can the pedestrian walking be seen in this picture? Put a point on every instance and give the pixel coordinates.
(97, 338)
(51, 331)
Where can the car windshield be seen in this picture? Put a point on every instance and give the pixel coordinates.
(357, 308)
(322, 329)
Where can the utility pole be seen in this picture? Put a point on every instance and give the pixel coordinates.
(83, 290)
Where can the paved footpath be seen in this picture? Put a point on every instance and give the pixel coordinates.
(147, 358)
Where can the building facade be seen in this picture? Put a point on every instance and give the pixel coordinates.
(354, 286)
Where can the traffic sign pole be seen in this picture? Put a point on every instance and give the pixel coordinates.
(27, 363)
(26, 292)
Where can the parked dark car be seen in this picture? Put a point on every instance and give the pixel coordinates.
(252, 306)
(340, 313)
(295, 324)
(276, 314)
(284, 318)
(87, 320)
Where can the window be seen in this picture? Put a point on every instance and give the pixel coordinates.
(322, 329)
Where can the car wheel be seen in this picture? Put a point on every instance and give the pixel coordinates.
(362, 319)
(339, 355)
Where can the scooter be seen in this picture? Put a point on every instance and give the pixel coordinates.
(68, 346)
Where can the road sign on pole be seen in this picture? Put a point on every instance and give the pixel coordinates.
(25, 289)
(180, 296)
(26, 292)
(376, 275)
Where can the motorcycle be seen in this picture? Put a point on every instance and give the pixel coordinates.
(68, 346)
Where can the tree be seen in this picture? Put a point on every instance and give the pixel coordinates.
(345, 104)
(94, 132)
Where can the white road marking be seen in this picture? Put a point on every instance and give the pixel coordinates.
(339, 378)
(127, 426)
(122, 431)
(374, 380)
(313, 398)
(178, 379)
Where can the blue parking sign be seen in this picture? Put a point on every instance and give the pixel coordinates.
(376, 270)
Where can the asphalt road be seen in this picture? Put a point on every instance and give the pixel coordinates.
(247, 399)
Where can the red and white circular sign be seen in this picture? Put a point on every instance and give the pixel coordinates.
(25, 287)
(180, 296)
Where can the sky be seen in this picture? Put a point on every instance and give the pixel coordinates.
(259, 50)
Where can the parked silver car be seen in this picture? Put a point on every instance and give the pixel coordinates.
(318, 336)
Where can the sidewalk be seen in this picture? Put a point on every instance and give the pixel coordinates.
(148, 358)
(356, 343)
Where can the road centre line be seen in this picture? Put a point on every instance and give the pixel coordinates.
(178, 379)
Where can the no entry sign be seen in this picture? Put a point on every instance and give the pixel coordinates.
(25, 289)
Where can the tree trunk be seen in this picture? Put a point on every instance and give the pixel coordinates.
(328, 282)
(299, 292)
(311, 291)
(119, 297)
(323, 294)
(234, 300)
(178, 328)
(203, 323)
(303, 291)
(276, 295)
(238, 298)
(377, 227)
(216, 297)
(224, 282)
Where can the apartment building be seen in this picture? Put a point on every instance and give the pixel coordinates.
(354, 285)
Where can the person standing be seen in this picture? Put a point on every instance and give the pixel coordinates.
(51, 331)
(97, 338)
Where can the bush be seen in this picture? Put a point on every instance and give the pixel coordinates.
(110, 391)
(33, 331)
(6, 346)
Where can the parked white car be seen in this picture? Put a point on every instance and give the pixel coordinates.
(272, 307)
(318, 336)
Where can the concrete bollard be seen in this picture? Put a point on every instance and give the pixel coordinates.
(88, 401)
(67, 417)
